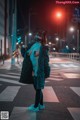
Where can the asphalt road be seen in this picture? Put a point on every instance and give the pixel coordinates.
(61, 92)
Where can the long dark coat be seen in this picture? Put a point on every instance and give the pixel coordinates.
(26, 72)
(43, 69)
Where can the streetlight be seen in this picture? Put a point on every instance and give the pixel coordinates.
(74, 48)
(17, 43)
(29, 18)
(54, 49)
(71, 29)
(57, 39)
(30, 34)
(50, 43)
(67, 46)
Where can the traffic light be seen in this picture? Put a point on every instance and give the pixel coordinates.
(58, 14)
(19, 39)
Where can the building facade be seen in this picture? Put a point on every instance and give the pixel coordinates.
(4, 27)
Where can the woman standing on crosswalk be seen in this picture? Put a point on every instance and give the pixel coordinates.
(41, 70)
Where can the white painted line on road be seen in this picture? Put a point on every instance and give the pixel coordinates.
(49, 95)
(75, 112)
(55, 79)
(55, 65)
(11, 81)
(76, 90)
(5, 67)
(46, 81)
(56, 76)
(71, 75)
(21, 113)
(64, 65)
(9, 93)
(14, 74)
(72, 65)
(10, 76)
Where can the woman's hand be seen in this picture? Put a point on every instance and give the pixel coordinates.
(36, 53)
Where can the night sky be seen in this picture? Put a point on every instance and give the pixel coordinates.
(41, 11)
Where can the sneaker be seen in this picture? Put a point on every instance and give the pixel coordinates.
(32, 108)
(41, 107)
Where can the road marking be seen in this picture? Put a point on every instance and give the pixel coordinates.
(56, 76)
(72, 65)
(10, 76)
(75, 112)
(52, 73)
(46, 81)
(11, 81)
(17, 74)
(49, 95)
(55, 65)
(76, 90)
(55, 79)
(64, 65)
(71, 75)
(9, 93)
(21, 113)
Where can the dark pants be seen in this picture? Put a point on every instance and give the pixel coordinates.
(38, 97)
(39, 94)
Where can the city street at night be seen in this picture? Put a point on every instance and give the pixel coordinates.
(39, 59)
(61, 93)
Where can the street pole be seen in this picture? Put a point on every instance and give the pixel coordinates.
(29, 21)
(26, 42)
(77, 40)
(29, 26)
(5, 27)
(13, 31)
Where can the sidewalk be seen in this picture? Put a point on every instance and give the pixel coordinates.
(7, 65)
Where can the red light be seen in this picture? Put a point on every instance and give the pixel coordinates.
(58, 14)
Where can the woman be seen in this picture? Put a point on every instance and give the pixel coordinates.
(41, 70)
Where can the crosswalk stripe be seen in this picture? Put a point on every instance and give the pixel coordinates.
(56, 76)
(21, 113)
(17, 74)
(11, 81)
(55, 65)
(9, 93)
(72, 65)
(55, 79)
(71, 75)
(46, 81)
(49, 95)
(76, 90)
(64, 65)
(75, 112)
(10, 76)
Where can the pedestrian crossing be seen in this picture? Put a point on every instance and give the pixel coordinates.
(64, 65)
(50, 95)
(75, 112)
(10, 77)
(55, 76)
(9, 93)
